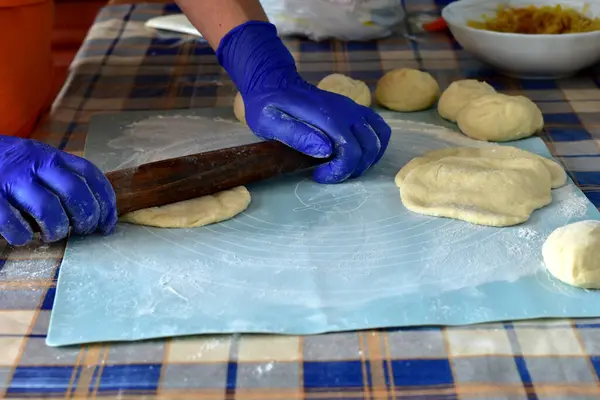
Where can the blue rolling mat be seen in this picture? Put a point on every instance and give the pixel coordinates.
(304, 258)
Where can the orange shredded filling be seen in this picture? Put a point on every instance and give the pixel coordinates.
(538, 20)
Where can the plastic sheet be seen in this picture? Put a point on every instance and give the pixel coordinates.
(338, 19)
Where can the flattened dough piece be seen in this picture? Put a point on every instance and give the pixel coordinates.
(557, 173)
(193, 213)
(487, 186)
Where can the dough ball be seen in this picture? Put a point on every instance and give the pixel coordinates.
(193, 213)
(239, 109)
(495, 186)
(459, 94)
(407, 89)
(346, 86)
(498, 117)
(572, 254)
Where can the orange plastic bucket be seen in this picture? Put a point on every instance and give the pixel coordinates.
(25, 63)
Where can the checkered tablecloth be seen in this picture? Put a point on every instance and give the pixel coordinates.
(124, 66)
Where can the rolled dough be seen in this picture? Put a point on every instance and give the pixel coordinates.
(495, 186)
(193, 213)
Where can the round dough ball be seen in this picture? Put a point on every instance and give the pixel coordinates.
(239, 109)
(572, 254)
(459, 94)
(406, 89)
(346, 86)
(498, 117)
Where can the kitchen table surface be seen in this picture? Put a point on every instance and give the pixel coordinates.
(125, 66)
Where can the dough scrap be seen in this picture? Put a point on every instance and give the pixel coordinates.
(458, 94)
(487, 186)
(407, 89)
(239, 110)
(193, 213)
(572, 254)
(346, 86)
(498, 117)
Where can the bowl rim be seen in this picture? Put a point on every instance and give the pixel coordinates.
(457, 4)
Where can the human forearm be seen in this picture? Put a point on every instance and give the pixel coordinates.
(214, 18)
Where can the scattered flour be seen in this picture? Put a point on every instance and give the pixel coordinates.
(571, 203)
(262, 369)
(167, 136)
(527, 233)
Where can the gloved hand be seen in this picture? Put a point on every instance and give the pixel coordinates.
(55, 188)
(280, 105)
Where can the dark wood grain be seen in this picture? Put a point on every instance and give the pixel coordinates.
(183, 178)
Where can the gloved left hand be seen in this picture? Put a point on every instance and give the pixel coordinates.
(56, 189)
(280, 105)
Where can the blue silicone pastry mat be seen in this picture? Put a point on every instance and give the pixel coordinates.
(304, 258)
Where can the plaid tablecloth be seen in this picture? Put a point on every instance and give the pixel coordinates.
(123, 66)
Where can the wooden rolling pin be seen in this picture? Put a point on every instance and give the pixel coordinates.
(183, 178)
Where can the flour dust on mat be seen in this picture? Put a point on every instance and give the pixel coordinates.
(162, 137)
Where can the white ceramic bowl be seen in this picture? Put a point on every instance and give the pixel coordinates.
(520, 55)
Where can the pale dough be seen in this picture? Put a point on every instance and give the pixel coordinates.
(495, 186)
(407, 89)
(499, 118)
(572, 254)
(239, 109)
(193, 213)
(346, 86)
(458, 94)
(335, 83)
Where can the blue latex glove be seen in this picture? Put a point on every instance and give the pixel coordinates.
(281, 105)
(55, 188)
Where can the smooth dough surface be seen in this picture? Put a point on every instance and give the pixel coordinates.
(193, 213)
(239, 109)
(572, 254)
(498, 117)
(346, 86)
(407, 89)
(496, 186)
(458, 94)
(335, 83)
(558, 176)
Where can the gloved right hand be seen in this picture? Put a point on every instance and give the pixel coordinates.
(56, 189)
(281, 105)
